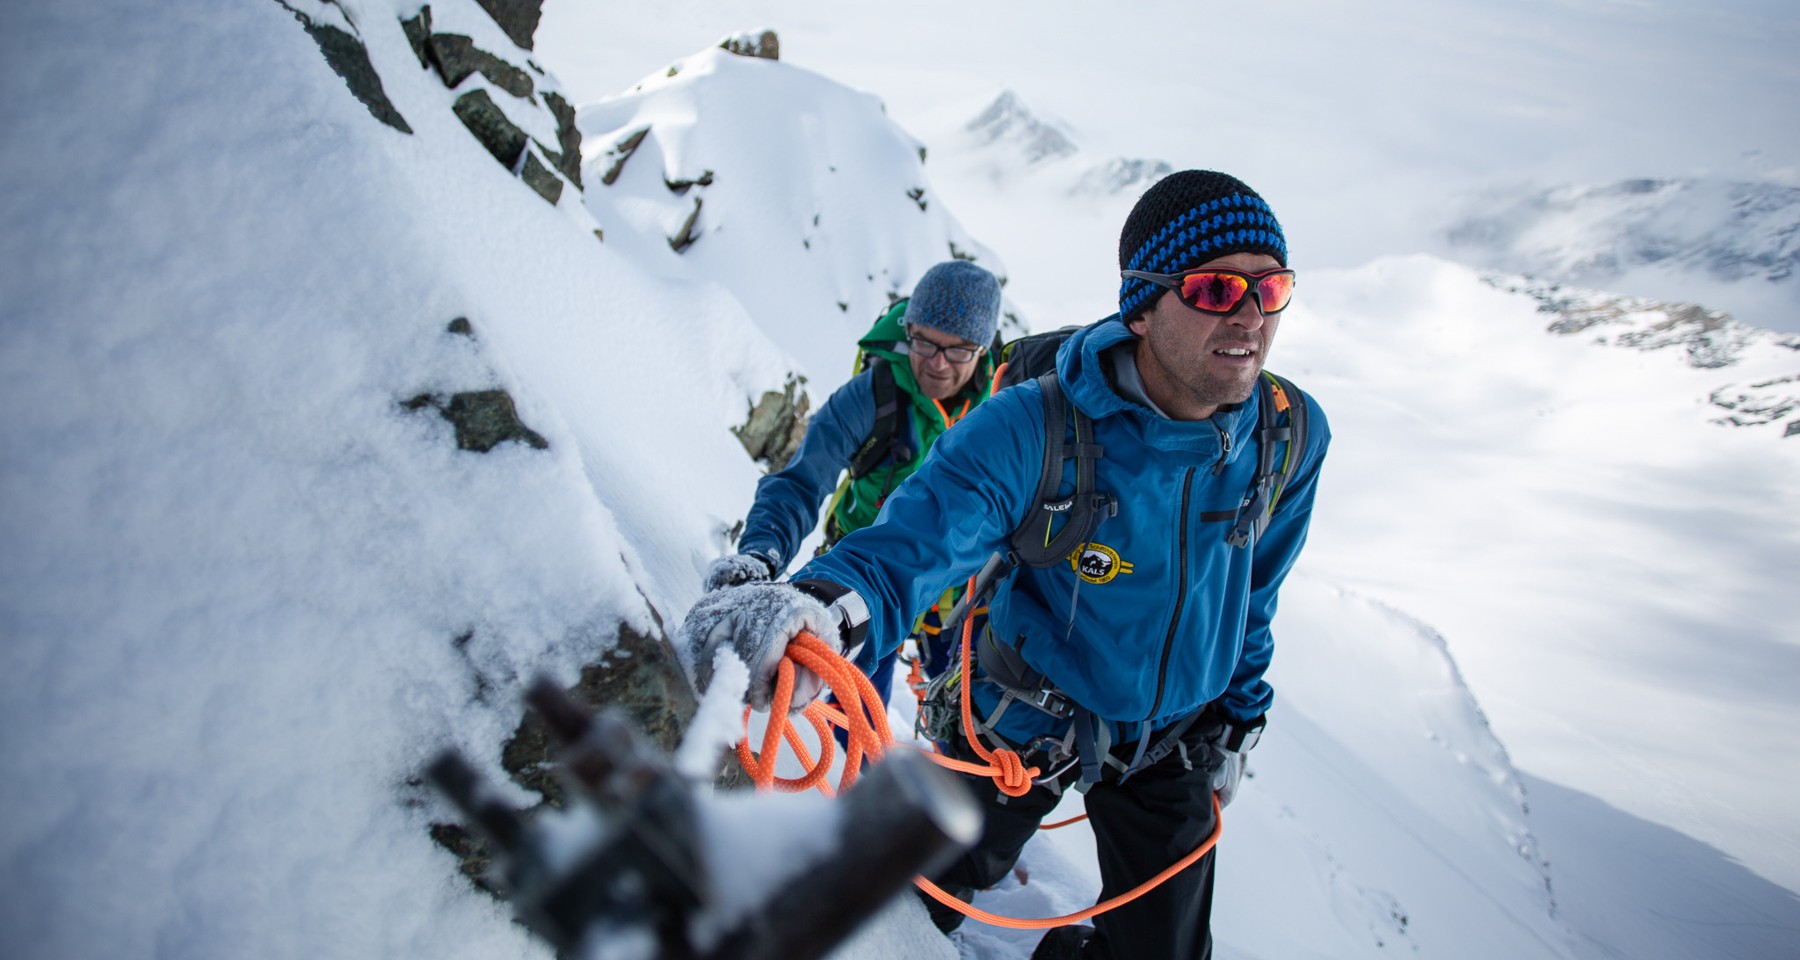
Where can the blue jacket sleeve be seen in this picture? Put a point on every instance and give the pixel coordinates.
(1249, 695)
(943, 522)
(787, 501)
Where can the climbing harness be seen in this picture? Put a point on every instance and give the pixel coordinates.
(870, 735)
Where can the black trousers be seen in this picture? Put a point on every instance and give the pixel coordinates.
(1141, 826)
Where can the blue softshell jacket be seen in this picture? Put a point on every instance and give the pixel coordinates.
(1161, 616)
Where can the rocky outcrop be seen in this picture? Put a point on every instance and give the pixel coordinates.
(776, 425)
(519, 18)
(621, 152)
(1708, 339)
(763, 44)
(456, 58)
(1759, 404)
(568, 139)
(490, 125)
(348, 58)
(483, 419)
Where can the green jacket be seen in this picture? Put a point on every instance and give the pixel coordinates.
(788, 500)
(921, 420)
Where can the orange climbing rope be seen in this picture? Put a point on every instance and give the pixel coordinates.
(864, 718)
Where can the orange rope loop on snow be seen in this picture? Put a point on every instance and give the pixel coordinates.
(1045, 923)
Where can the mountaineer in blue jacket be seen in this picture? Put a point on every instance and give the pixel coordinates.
(1136, 665)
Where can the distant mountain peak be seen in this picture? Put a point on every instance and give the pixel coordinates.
(1009, 125)
(1008, 120)
(1122, 173)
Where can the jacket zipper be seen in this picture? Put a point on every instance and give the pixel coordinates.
(1162, 668)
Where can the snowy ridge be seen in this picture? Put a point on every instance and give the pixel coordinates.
(1708, 340)
(1734, 244)
(815, 216)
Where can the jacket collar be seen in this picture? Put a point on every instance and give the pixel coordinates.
(1082, 365)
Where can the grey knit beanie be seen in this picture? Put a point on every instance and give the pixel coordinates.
(1187, 219)
(959, 298)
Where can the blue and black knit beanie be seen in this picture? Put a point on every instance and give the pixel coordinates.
(959, 298)
(1187, 219)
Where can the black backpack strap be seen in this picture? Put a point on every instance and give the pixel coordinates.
(1275, 392)
(883, 438)
(1032, 543)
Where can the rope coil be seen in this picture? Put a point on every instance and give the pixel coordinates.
(864, 718)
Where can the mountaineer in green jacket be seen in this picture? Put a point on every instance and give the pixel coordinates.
(926, 363)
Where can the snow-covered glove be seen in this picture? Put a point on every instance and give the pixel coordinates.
(756, 621)
(737, 568)
(1233, 742)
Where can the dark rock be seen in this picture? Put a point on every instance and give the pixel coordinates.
(568, 137)
(622, 152)
(918, 196)
(679, 187)
(457, 57)
(1758, 404)
(765, 45)
(776, 424)
(488, 123)
(641, 676)
(487, 418)
(538, 177)
(474, 855)
(685, 237)
(519, 18)
(348, 59)
(461, 325)
(418, 32)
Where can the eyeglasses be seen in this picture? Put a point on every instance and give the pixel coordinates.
(1220, 292)
(926, 350)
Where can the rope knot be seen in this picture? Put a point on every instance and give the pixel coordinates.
(1011, 776)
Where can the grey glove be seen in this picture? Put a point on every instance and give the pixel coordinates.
(756, 621)
(1233, 742)
(737, 568)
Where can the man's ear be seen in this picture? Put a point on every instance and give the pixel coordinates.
(1138, 324)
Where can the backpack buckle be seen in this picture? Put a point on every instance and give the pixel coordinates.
(1047, 699)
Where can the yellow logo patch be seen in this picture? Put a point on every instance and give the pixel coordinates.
(1098, 563)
